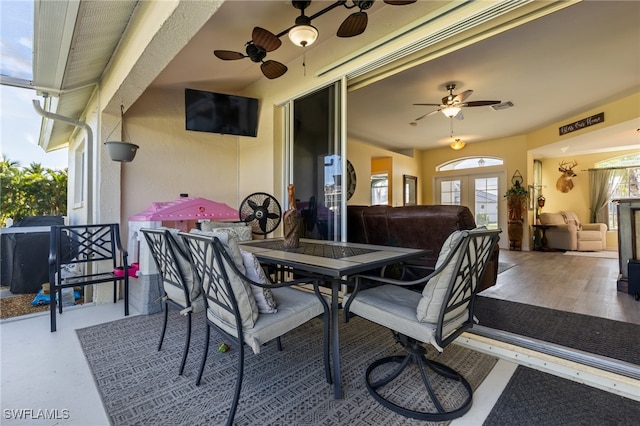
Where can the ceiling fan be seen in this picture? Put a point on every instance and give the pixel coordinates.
(452, 105)
(356, 23)
(262, 41)
(302, 33)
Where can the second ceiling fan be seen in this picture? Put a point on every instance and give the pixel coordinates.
(452, 104)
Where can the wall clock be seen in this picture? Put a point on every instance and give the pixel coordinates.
(351, 180)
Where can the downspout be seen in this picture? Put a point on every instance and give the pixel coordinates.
(87, 128)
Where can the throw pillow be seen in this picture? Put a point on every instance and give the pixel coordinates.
(240, 230)
(264, 297)
(243, 293)
(572, 218)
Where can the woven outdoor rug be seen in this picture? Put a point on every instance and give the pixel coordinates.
(536, 398)
(614, 339)
(140, 385)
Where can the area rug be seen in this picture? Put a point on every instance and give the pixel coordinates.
(601, 336)
(503, 266)
(536, 398)
(140, 385)
(606, 254)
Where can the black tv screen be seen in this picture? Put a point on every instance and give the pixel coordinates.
(220, 113)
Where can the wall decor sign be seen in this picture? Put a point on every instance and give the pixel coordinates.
(581, 124)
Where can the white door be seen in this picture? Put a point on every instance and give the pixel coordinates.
(479, 192)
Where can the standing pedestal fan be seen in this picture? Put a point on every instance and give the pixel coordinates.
(262, 211)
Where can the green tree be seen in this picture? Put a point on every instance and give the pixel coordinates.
(31, 191)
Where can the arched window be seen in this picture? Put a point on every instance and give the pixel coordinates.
(624, 184)
(469, 163)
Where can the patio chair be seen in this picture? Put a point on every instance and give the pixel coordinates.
(81, 255)
(438, 317)
(179, 289)
(231, 307)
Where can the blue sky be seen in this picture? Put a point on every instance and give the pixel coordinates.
(19, 123)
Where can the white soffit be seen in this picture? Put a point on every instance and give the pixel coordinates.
(73, 43)
(54, 23)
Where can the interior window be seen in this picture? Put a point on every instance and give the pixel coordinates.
(626, 185)
(379, 189)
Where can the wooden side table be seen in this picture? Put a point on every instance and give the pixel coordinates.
(542, 243)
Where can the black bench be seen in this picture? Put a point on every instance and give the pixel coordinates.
(81, 255)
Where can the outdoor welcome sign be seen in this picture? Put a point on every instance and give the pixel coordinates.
(581, 124)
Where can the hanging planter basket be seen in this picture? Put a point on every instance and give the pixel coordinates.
(121, 151)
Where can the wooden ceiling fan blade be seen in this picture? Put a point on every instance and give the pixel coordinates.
(273, 69)
(265, 39)
(354, 25)
(480, 103)
(228, 55)
(399, 2)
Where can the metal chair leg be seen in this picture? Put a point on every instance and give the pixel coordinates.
(186, 344)
(204, 354)
(164, 325)
(236, 396)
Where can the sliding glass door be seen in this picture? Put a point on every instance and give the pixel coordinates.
(317, 163)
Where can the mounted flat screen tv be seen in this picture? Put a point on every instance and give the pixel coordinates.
(220, 113)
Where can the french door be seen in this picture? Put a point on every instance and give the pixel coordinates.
(479, 192)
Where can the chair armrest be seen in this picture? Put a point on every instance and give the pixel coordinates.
(594, 227)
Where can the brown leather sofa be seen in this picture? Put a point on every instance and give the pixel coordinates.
(424, 226)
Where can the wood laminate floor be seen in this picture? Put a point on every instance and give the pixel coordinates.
(585, 285)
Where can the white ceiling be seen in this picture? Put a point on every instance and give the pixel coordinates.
(552, 69)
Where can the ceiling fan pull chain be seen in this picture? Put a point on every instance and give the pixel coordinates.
(304, 62)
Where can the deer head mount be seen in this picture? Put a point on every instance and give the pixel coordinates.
(564, 182)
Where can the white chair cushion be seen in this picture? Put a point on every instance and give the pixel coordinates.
(242, 291)
(434, 292)
(395, 307)
(177, 294)
(264, 297)
(295, 307)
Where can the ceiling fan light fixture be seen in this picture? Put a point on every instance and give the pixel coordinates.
(451, 111)
(457, 144)
(303, 34)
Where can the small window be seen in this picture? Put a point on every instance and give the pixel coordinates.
(380, 189)
(78, 178)
(469, 163)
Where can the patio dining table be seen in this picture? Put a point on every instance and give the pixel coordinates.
(334, 262)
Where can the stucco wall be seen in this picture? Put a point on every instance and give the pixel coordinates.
(360, 155)
(172, 160)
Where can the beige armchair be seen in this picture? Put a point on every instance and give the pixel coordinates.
(569, 233)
